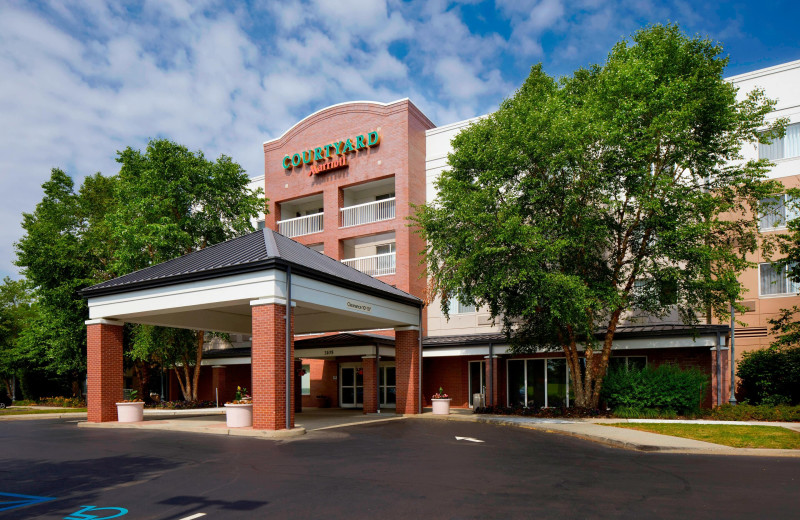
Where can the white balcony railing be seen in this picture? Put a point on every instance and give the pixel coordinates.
(295, 227)
(368, 212)
(375, 265)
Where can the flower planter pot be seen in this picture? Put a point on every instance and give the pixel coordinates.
(130, 412)
(239, 415)
(441, 406)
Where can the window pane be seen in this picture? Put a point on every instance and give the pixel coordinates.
(536, 387)
(771, 151)
(637, 362)
(615, 363)
(792, 141)
(771, 279)
(475, 378)
(772, 215)
(557, 382)
(391, 395)
(390, 376)
(347, 376)
(305, 380)
(516, 382)
(348, 395)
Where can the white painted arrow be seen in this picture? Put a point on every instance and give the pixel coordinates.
(470, 439)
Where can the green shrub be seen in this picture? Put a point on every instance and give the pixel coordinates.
(770, 376)
(665, 387)
(749, 412)
(627, 412)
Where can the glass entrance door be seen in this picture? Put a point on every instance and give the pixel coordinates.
(351, 386)
(388, 389)
(477, 372)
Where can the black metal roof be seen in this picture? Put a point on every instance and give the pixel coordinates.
(258, 251)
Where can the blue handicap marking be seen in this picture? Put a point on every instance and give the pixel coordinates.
(12, 500)
(84, 513)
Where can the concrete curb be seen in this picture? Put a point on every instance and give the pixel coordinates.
(233, 432)
(39, 416)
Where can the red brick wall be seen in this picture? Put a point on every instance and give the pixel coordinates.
(104, 371)
(401, 155)
(407, 370)
(269, 367)
(370, 388)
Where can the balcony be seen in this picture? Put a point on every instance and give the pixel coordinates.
(367, 213)
(373, 265)
(299, 226)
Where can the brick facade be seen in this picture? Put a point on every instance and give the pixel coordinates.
(269, 367)
(104, 371)
(369, 365)
(407, 355)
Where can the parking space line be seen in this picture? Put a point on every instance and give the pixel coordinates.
(198, 515)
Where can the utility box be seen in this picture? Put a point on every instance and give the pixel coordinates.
(478, 401)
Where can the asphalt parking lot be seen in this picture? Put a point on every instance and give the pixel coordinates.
(399, 469)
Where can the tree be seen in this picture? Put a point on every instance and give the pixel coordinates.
(176, 202)
(63, 250)
(15, 312)
(618, 189)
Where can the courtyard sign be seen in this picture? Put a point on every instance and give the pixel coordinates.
(323, 153)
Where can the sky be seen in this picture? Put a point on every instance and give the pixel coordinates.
(80, 80)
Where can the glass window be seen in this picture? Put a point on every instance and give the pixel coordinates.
(260, 225)
(536, 383)
(305, 379)
(774, 280)
(557, 383)
(786, 147)
(516, 382)
(777, 211)
(456, 307)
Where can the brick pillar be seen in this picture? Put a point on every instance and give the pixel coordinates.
(103, 369)
(219, 383)
(269, 365)
(406, 349)
(491, 377)
(725, 379)
(370, 384)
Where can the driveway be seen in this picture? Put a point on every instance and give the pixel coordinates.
(395, 469)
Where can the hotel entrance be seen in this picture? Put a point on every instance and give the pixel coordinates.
(351, 385)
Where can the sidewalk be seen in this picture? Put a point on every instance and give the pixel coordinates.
(148, 412)
(596, 430)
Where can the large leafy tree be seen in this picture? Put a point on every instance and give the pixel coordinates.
(176, 202)
(618, 189)
(16, 311)
(64, 249)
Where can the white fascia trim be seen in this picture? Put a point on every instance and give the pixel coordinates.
(270, 301)
(226, 361)
(333, 106)
(102, 321)
(789, 65)
(453, 126)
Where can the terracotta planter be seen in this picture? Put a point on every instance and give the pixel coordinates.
(239, 415)
(130, 412)
(441, 406)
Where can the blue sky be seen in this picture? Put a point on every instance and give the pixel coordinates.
(80, 80)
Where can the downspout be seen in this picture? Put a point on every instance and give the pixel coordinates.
(288, 318)
(719, 371)
(419, 406)
(732, 355)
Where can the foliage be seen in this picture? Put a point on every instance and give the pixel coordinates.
(665, 387)
(176, 202)
(182, 405)
(770, 376)
(16, 311)
(440, 394)
(581, 200)
(526, 411)
(63, 402)
(749, 412)
(64, 249)
(628, 412)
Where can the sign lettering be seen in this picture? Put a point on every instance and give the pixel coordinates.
(329, 152)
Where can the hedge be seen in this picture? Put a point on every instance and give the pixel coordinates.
(665, 387)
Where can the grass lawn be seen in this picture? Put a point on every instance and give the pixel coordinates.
(726, 434)
(27, 411)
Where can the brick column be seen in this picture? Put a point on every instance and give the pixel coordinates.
(491, 377)
(103, 369)
(219, 382)
(269, 365)
(370, 383)
(406, 350)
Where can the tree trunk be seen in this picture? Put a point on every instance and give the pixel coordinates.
(201, 335)
(7, 384)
